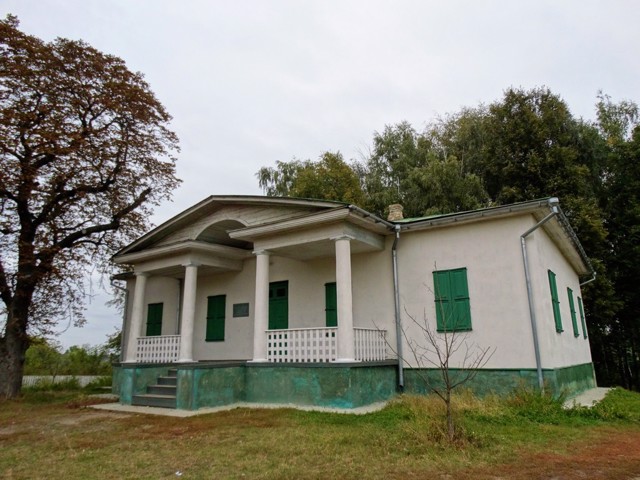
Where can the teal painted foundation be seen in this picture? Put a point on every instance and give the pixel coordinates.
(326, 385)
(134, 379)
(202, 385)
(569, 380)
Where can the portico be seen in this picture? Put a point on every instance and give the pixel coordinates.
(325, 238)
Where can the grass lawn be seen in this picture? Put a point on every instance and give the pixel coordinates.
(54, 435)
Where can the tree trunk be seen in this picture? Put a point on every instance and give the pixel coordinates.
(450, 429)
(12, 353)
(14, 344)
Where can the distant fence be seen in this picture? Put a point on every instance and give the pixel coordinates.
(83, 380)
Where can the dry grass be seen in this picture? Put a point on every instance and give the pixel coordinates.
(57, 437)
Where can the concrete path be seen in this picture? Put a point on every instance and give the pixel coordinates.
(170, 412)
(588, 398)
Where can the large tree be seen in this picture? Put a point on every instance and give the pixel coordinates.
(85, 152)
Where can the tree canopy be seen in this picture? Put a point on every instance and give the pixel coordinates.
(329, 178)
(85, 152)
(524, 146)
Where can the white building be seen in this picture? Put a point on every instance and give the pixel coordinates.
(263, 299)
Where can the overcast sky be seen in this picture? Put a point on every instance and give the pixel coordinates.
(252, 82)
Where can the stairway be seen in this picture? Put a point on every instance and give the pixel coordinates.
(162, 394)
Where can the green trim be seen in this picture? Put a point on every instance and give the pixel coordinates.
(572, 308)
(279, 305)
(555, 301)
(584, 325)
(331, 304)
(154, 319)
(451, 295)
(216, 312)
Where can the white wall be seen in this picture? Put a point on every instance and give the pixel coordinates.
(556, 349)
(239, 287)
(490, 251)
(163, 290)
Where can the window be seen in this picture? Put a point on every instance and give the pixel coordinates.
(555, 302)
(279, 305)
(154, 319)
(584, 325)
(453, 312)
(216, 307)
(330, 304)
(572, 308)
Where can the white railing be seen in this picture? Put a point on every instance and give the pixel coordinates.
(321, 345)
(371, 344)
(302, 345)
(158, 349)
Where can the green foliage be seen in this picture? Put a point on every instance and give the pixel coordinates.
(329, 178)
(45, 357)
(46, 385)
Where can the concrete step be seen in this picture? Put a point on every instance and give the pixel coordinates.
(154, 400)
(167, 381)
(172, 372)
(162, 390)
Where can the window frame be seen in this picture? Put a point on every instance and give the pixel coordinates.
(452, 301)
(582, 319)
(215, 324)
(572, 309)
(154, 310)
(555, 301)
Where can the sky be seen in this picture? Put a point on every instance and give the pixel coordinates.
(251, 82)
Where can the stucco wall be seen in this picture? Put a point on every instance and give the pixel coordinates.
(239, 287)
(556, 349)
(490, 251)
(163, 290)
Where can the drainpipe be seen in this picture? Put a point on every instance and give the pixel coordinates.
(123, 333)
(593, 277)
(553, 203)
(396, 291)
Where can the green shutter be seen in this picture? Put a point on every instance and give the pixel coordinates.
(453, 312)
(331, 304)
(572, 308)
(278, 305)
(584, 325)
(216, 308)
(555, 302)
(154, 319)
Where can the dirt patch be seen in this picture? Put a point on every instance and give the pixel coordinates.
(89, 415)
(611, 455)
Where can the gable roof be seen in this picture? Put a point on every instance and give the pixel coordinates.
(215, 202)
(318, 211)
(558, 227)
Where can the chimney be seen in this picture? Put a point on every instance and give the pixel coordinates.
(395, 212)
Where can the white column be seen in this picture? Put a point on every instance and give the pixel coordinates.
(261, 307)
(137, 317)
(188, 312)
(346, 347)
